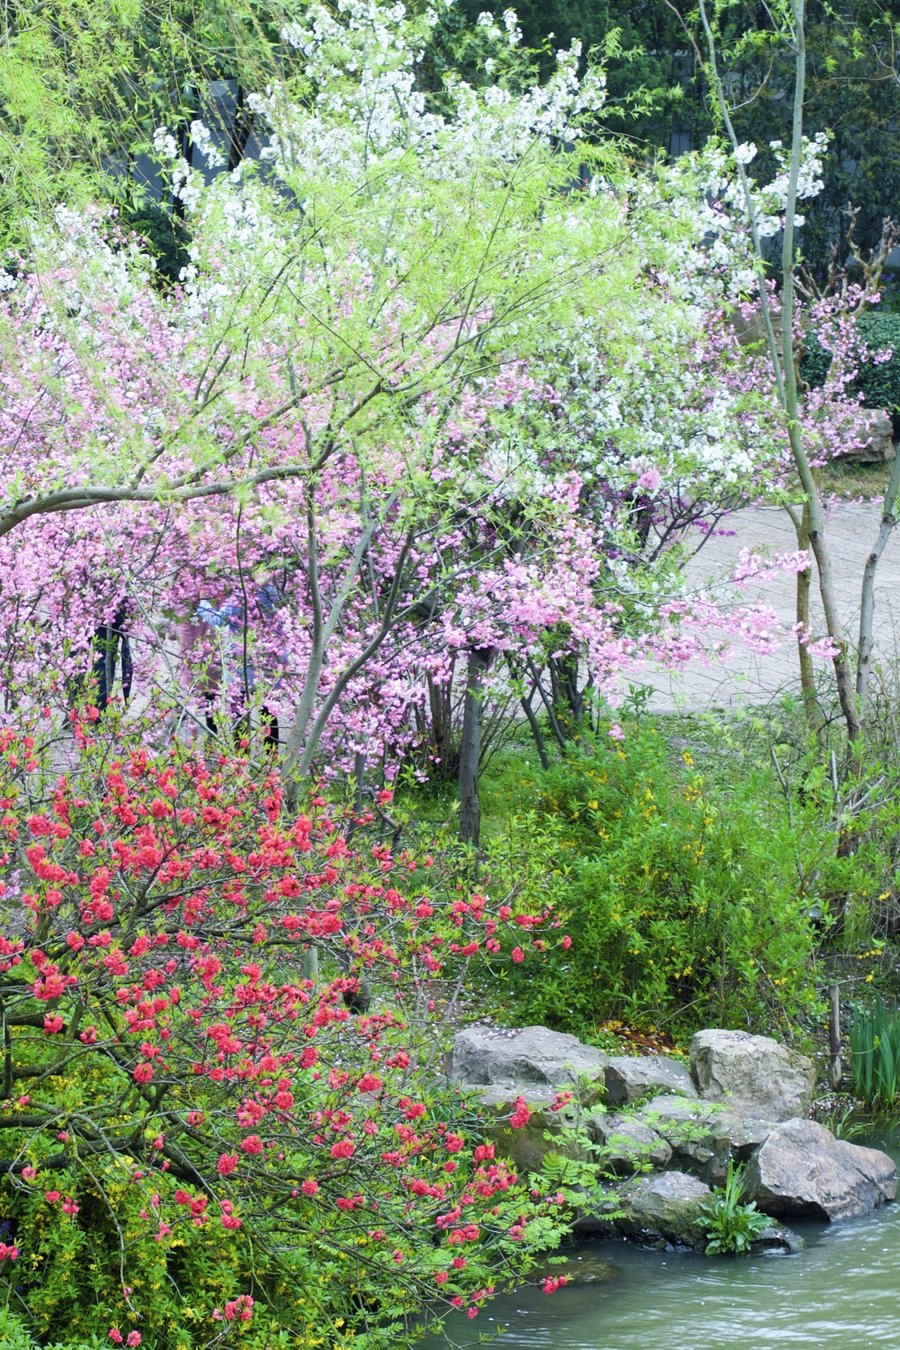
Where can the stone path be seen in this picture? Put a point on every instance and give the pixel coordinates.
(747, 678)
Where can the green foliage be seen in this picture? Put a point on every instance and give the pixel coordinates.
(14, 1335)
(574, 1166)
(732, 1224)
(878, 381)
(83, 85)
(853, 887)
(660, 93)
(814, 363)
(164, 236)
(845, 1122)
(75, 1269)
(133, 1201)
(875, 1053)
(643, 50)
(687, 900)
(849, 95)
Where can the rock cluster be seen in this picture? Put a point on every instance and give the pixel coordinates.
(668, 1130)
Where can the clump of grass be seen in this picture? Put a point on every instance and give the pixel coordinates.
(732, 1224)
(875, 1053)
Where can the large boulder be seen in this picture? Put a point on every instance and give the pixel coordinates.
(754, 1075)
(630, 1077)
(530, 1056)
(665, 1205)
(802, 1171)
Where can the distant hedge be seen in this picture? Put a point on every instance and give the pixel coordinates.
(878, 383)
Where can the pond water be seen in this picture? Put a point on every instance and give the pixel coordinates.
(841, 1292)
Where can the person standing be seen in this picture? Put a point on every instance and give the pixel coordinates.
(111, 646)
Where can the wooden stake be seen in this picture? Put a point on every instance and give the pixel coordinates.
(834, 1034)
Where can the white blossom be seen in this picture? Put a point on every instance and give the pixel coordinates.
(201, 136)
(164, 143)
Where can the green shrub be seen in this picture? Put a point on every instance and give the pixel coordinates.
(167, 238)
(14, 1335)
(687, 901)
(815, 362)
(879, 382)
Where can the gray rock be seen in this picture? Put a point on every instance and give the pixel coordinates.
(777, 1238)
(668, 1112)
(745, 1134)
(696, 1132)
(528, 1145)
(628, 1143)
(754, 1074)
(873, 433)
(704, 1135)
(802, 1171)
(667, 1205)
(629, 1077)
(501, 1098)
(530, 1056)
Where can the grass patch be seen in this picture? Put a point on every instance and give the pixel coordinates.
(851, 481)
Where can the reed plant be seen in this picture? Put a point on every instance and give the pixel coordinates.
(875, 1053)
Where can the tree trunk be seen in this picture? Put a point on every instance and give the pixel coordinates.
(470, 747)
(814, 719)
(834, 1035)
(784, 370)
(867, 598)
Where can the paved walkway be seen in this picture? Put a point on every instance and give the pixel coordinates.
(746, 678)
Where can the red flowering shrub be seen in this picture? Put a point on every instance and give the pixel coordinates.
(189, 1126)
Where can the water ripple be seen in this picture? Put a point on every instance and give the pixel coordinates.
(840, 1294)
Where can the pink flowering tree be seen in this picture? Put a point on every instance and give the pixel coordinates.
(351, 412)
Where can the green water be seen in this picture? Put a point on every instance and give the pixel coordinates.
(842, 1292)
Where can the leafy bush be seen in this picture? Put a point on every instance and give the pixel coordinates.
(846, 856)
(878, 382)
(195, 1138)
(732, 1224)
(14, 1335)
(875, 1053)
(687, 902)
